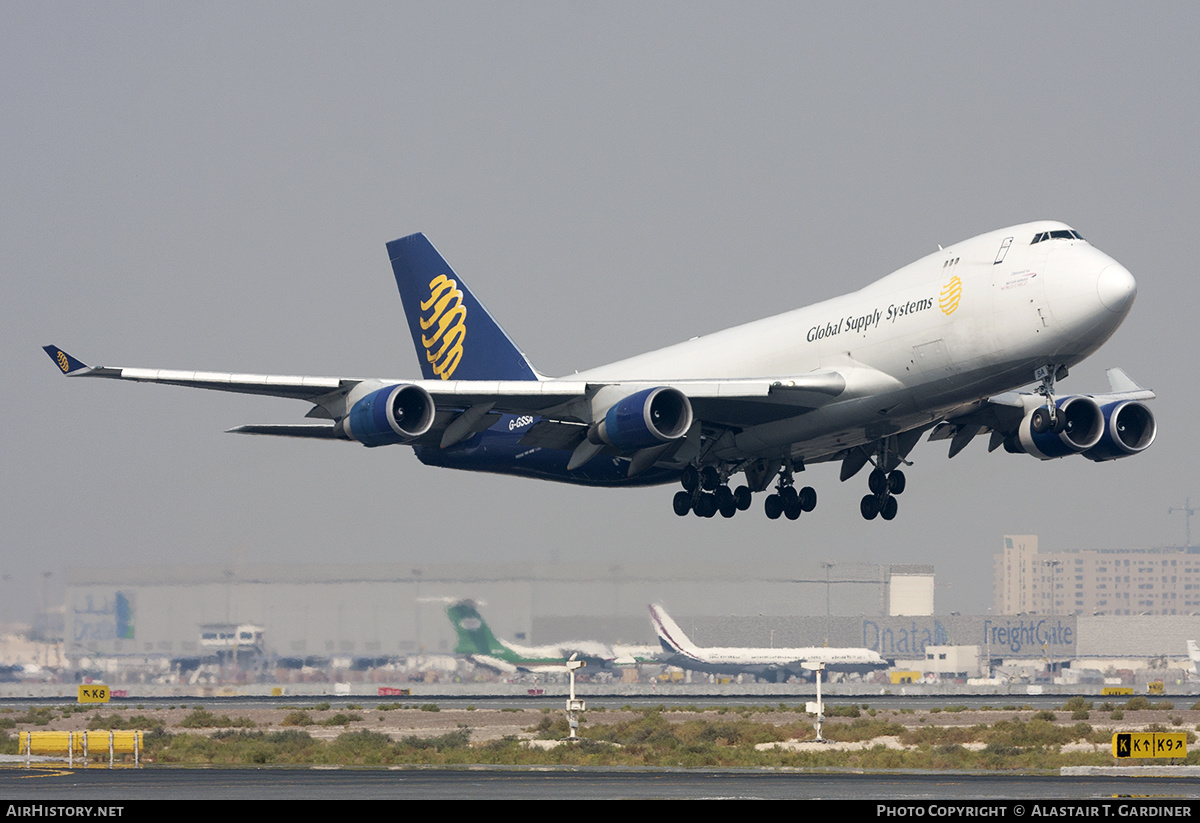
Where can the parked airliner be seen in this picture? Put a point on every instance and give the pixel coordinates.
(476, 640)
(770, 664)
(940, 346)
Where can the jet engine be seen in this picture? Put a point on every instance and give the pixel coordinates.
(393, 414)
(647, 418)
(1081, 428)
(1129, 428)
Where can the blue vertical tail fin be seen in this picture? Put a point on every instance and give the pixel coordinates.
(454, 334)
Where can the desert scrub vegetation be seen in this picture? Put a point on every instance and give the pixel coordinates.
(116, 722)
(296, 747)
(201, 718)
(655, 738)
(768, 736)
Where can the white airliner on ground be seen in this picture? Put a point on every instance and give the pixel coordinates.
(938, 347)
(771, 664)
(476, 640)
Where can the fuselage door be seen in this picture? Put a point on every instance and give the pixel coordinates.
(1004, 247)
(933, 359)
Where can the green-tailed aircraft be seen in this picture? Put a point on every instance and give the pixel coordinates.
(476, 640)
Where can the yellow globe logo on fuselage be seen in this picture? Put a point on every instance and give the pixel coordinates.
(444, 347)
(951, 294)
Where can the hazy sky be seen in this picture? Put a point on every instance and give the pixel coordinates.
(211, 185)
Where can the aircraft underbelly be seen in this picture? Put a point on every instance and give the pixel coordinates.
(825, 432)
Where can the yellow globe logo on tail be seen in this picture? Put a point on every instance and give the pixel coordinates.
(444, 346)
(63, 363)
(951, 294)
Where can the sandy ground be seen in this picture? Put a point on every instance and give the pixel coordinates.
(489, 724)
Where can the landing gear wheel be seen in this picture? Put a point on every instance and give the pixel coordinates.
(705, 505)
(710, 478)
(877, 482)
(1039, 421)
(743, 497)
(888, 508)
(682, 503)
(869, 507)
(808, 498)
(690, 478)
(773, 506)
(896, 482)
(725, 501)
(791, 508)
(789, 496)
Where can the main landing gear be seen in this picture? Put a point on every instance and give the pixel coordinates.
(706, 489)
(788, 501)
(706, 492)
(881, 502)
(886, 481)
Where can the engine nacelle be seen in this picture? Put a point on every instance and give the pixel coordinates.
(1084, 426)
(393, 414)
(647, 418)
(1129, 428)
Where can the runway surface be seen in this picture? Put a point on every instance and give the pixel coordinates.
(18, 784)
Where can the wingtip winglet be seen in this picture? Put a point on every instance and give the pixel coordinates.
(65, 362)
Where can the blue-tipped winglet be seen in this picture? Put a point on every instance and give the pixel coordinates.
(64, 361)
(454, 334)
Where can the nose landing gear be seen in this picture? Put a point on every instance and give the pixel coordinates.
(1047, 418)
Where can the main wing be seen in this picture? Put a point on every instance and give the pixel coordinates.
(1101, 427)
(451, 410)
(332, 396)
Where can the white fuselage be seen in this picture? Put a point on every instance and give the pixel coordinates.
(749, 658)
(969, 321)
(681, 651)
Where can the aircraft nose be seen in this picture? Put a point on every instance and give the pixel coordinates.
(1116, 288)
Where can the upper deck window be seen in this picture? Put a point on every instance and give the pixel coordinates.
(1057, 234)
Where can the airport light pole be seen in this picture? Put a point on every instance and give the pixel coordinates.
(817, 708)
(574, 707)
(828, 569)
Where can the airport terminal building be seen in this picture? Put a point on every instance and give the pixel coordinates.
(389, 610)
(353, 613)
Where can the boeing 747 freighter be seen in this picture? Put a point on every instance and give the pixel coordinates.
(940, 348)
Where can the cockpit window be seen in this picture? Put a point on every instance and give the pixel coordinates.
(1057, 234)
